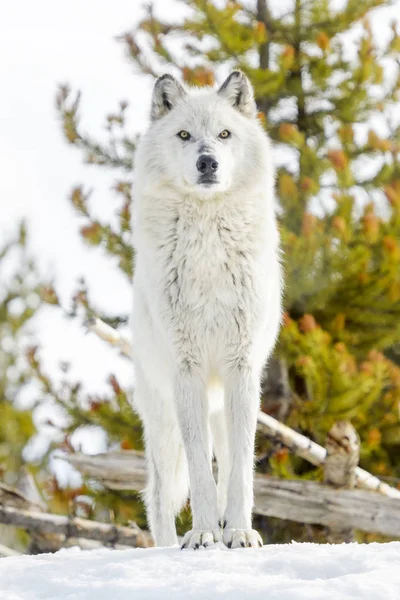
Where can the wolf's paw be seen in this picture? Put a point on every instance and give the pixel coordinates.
(242, 538)
(195, 538)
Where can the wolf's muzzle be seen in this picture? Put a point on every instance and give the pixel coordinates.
(207, 165)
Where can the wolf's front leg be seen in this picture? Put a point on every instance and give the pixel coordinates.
(191, 404)
(242, 402)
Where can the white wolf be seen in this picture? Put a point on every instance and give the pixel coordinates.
(207, 304)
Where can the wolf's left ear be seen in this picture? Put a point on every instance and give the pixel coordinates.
(238, 91)
(167, 91)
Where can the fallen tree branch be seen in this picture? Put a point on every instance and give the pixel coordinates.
(110, 335)
(46, 523)
(5, 552)
(48, 534)
(301, 501)
(13, 497)
(297, 443)
(316, 454)
(125, 470)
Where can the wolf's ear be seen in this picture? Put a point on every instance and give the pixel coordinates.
(167, 91)
(238, 91)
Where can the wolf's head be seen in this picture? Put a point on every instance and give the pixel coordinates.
(204, 141)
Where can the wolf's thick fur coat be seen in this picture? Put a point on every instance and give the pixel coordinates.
(207, 304)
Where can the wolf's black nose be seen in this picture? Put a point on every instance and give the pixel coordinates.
(206, 164)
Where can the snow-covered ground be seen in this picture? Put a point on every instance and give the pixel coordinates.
(284, 572)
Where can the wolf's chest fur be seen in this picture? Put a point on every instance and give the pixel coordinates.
(210, 265)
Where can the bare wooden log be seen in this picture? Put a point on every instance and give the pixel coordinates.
(301, 501)
(272, 428)
(315, 503)
(39, 542)
(45, 540)
(124, 470)
(342, 456)
(74, 527)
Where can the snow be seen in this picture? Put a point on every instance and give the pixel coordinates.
(275, 572)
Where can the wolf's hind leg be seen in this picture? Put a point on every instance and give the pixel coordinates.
(167, 487)
(221, 452)
(168, 481)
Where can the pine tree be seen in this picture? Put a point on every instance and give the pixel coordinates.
(330, 110)
(19, 301)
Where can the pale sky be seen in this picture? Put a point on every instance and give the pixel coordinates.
(42, 44)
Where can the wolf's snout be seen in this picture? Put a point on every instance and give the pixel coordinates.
(207, 165)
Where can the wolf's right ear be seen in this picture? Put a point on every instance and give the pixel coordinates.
(239, 93)
(167, 91)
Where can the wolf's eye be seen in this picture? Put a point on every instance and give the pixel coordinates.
(184, 135)
(224, 134)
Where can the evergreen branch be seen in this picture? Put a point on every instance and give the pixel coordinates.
(214, 28)
(95, 152)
